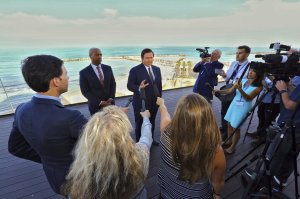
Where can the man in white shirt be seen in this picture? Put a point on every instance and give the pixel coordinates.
(234, 72)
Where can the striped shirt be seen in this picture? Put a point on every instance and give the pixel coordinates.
(170, 185)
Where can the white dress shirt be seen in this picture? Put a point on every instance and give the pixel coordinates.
(151, 71)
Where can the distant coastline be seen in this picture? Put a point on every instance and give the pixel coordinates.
(176, 64)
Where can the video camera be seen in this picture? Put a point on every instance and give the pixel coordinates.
(203, 52)
(280, 65)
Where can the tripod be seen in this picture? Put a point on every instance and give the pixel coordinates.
(265, 159)
(272, 112)
(258, 101)
(249, 113)
(267, 90)
(250, 121)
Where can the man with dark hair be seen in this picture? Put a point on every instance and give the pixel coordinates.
(231, 76)
(44, 131)
(97, 82)
(145, 78)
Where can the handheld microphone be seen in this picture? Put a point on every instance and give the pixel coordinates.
(208, 84)
(156, 91)
(143, 98)
(129, 101)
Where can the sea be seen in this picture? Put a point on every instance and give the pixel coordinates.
(13, 89)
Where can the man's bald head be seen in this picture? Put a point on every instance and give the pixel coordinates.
(95, 56)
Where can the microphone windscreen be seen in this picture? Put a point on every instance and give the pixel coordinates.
(156, 91)
(142, 94)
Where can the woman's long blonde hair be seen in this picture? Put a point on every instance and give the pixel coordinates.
(106, 163)
(195, 137)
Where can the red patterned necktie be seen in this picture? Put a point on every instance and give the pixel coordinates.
(101, 78)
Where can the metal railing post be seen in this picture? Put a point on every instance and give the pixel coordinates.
(11, 106)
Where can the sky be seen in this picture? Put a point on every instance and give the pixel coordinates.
(63, 23)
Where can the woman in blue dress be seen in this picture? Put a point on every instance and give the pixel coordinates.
(246, 91)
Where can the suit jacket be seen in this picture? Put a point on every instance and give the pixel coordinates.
(206, 75)
(45, 131)
(91, 89)
(136, 75)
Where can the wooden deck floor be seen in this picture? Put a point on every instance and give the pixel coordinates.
(25, 179)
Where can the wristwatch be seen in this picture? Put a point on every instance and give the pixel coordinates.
(283, 91)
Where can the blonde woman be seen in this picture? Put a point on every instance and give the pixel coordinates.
(108, 163)
(192, 160)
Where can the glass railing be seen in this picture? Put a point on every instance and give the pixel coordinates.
(176, 73)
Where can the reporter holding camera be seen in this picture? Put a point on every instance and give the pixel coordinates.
(207, 78)
(192, 160)
(108, 163)
(282, 163)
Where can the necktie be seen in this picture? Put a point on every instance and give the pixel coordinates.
(151, 75)
(235, 72)
(101, 78)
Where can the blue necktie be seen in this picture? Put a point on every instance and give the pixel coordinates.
(235, 72)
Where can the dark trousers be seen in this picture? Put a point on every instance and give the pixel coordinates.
(224, 107)
(139, 121)
(266, 113)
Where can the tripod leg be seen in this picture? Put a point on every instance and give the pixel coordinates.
(243, 158)
(250, 121)
(242, 168)
(254, 179)
(248, 127)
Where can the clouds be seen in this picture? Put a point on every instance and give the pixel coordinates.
(257, 23)
(111, 13)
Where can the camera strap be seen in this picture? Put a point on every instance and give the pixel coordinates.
(235, 72)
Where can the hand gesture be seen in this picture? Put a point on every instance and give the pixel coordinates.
(160, 101)
(281, 85)
(143, 84)
(237, 85)
(222, 73)
(125, 109)
(146, 113)
(106, 103)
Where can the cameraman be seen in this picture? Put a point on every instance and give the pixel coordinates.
(208, 76)
(282, 163)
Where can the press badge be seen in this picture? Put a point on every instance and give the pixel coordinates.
(239, 102)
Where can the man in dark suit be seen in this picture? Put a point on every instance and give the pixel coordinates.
(145, 78)
(43, 130)
(97, 82)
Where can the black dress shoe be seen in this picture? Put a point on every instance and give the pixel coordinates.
(155, 143)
